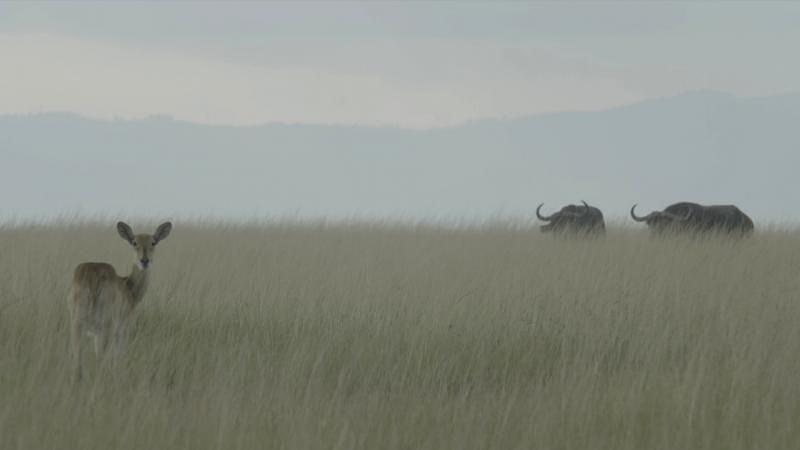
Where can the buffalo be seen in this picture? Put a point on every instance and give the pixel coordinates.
(693, 218)
(573, 219)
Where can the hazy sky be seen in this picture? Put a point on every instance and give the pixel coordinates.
(410, 64)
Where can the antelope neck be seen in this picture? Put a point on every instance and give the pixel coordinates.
(137, 282)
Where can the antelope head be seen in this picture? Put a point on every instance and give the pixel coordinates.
(144, 244)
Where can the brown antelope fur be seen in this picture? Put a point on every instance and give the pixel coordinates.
(101, 301)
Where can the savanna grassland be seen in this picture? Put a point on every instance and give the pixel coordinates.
(361, 336)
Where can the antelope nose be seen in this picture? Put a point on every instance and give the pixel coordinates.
(145, 262)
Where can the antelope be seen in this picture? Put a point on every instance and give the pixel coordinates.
(101, 302)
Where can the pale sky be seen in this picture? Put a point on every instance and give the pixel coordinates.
(411, 64)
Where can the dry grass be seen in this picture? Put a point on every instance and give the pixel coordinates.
(396, 337)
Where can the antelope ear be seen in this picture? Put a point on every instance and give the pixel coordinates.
(162, 232)
(125, 232)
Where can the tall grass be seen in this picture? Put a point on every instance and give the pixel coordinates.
(399, 337)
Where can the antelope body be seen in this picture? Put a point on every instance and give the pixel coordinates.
(101, 302)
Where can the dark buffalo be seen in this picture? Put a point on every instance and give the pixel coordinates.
(694, 218)
(574, 219)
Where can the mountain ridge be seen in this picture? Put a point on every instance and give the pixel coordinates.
(704, 146)
(692, 94)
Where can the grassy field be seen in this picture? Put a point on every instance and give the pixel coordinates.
(402, 337)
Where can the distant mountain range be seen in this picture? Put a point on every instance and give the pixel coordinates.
(705, 146)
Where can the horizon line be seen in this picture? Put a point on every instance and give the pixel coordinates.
(171, 118)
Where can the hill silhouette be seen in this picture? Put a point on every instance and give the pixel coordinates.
(703, 146)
